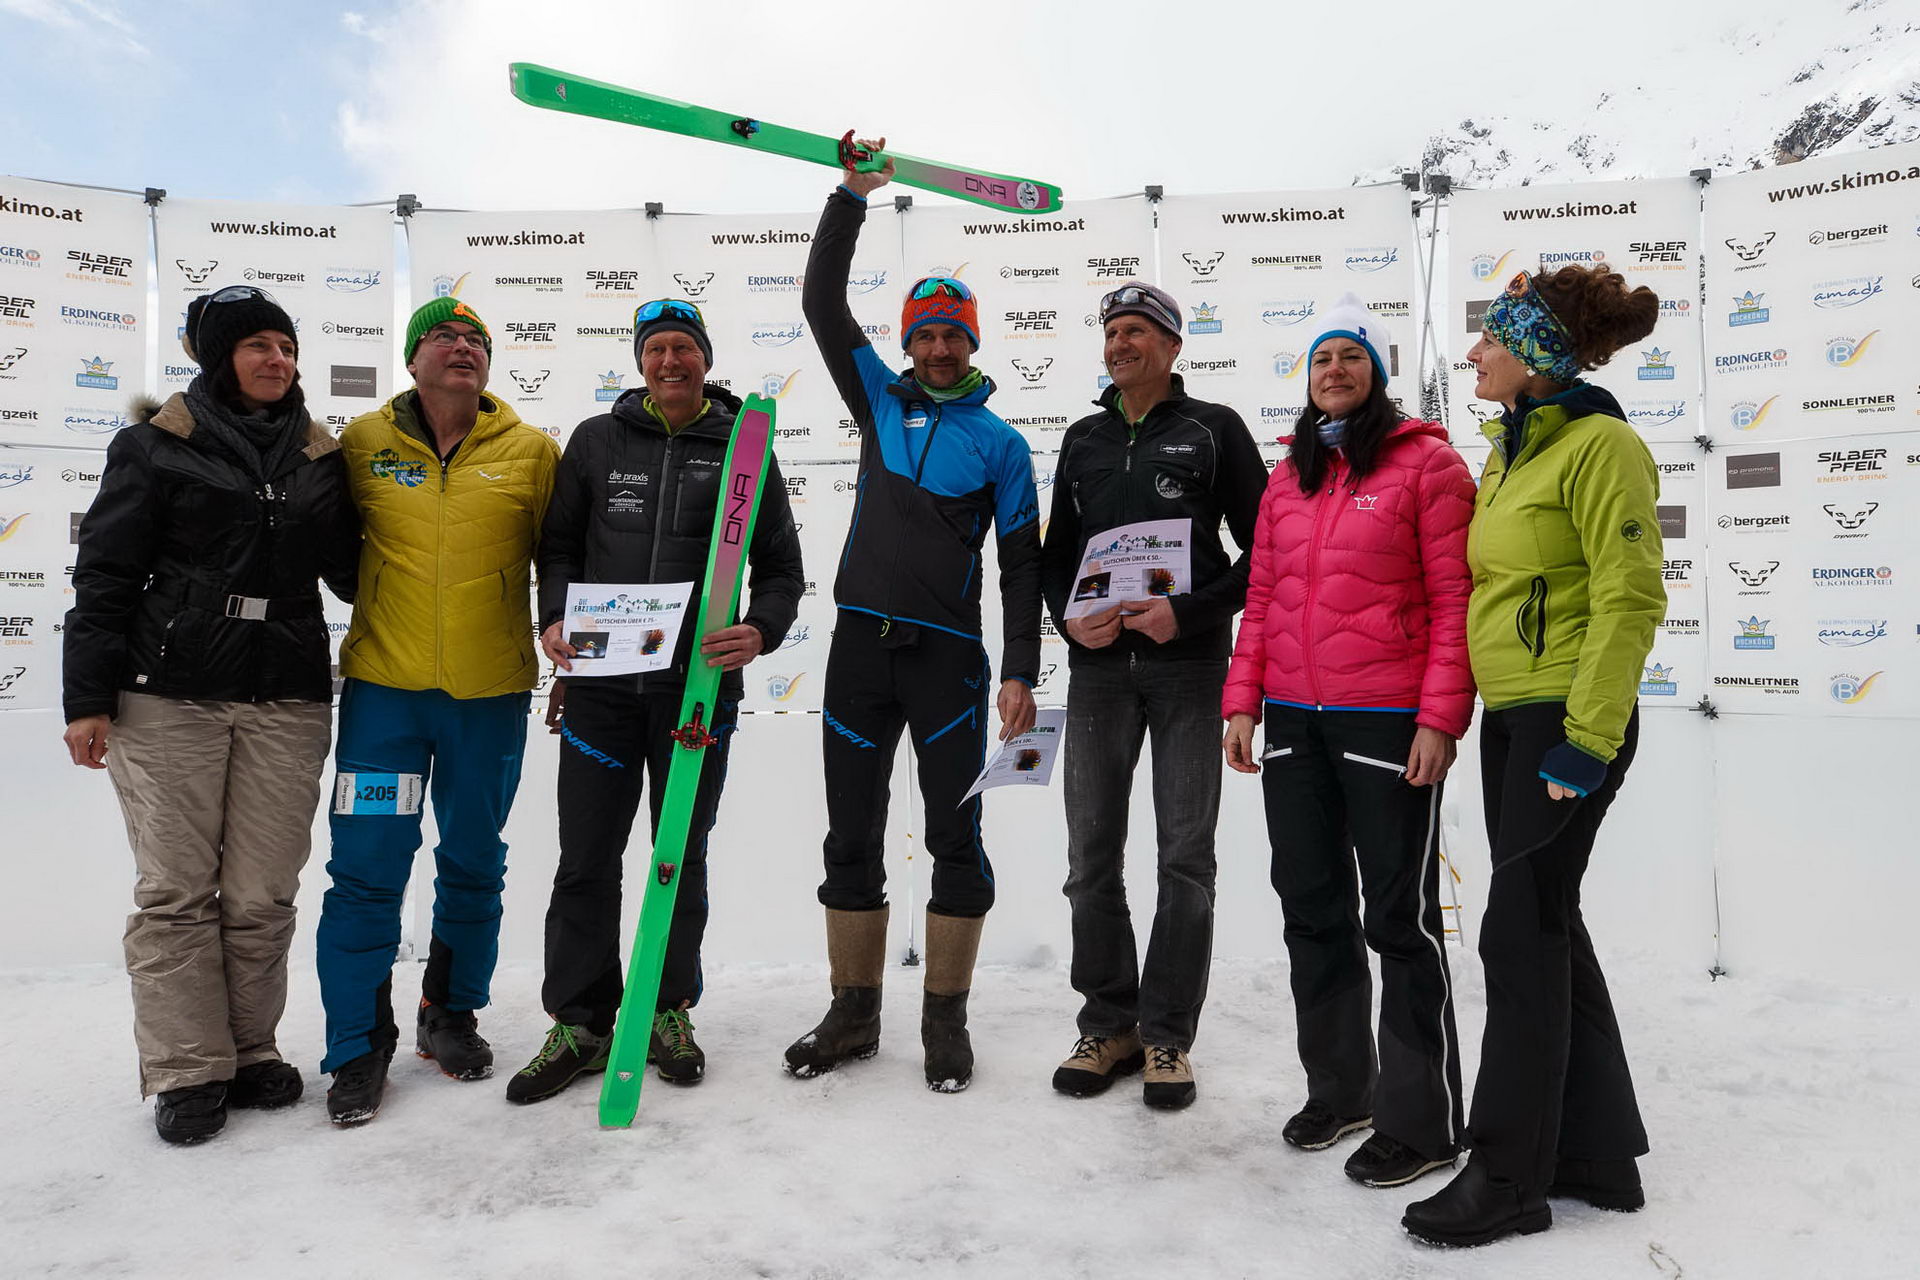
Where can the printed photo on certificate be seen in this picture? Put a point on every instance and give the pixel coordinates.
(1133, 562)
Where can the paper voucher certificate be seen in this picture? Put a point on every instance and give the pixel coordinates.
(623, 628)
(1027, 759)
(1133, 562)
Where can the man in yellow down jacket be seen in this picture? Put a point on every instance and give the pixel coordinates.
(439, 666)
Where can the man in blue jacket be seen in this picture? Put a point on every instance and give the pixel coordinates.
(936, 468)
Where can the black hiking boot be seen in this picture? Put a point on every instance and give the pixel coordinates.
(1381, 1161)
(452, 1039)
(672, 1051)
(1476, 1208)
(265, 1086)
(851, 1029)
(190, 1115)
(569, 1053)
(1314, 1127)
(357, 1088)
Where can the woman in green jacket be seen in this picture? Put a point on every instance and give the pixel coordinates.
(1565, 554)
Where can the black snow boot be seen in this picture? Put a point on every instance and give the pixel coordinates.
(452, 1039)
(357, 1088)
(953, 942)
(1604, 1184)
(857, 957)
(1476, 1208)
(193, 1114)
(265, 1086)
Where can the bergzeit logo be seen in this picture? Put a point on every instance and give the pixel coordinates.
(1820, 238)
(263, 275)
(359, 332)
(1029, 273)
(1748, 524)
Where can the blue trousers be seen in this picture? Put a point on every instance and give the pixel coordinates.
(467, 753)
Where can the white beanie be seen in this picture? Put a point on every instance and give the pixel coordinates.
(1349, 318)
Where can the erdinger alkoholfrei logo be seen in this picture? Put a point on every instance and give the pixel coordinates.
(1658, 682)
(196, 271)
(1750, 251)
(388, 465)
(96, 374)
(1850, 689)
(610, 386)
(1654, 366)
(1033, 372)
(1749, 308)
(1753, 634)
(693, 284)
(782, 688)
(529, 380)
(1845, 352)
(1203, 265)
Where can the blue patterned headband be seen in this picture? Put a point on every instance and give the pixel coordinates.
(1521, 321)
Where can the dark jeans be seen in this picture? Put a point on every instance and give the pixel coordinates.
(1113, 705)
(882, 678)
(610, 737)
(1345, 825)
(1553, 1071)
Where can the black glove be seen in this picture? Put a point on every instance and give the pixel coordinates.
(1573, 768)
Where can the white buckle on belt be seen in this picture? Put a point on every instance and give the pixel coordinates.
(251, 608)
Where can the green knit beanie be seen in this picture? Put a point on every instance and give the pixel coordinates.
(440, 311)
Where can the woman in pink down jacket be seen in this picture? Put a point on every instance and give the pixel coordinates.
(1353, 653)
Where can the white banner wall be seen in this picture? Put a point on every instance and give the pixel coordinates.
(791, 677)
(331, 268)
(1648, 231)
(43, 494)
(745, 273)
(1813, 281)
(557, 291)
(1256, 272)
(1038, 282)
(1816, 558)
(73, 306)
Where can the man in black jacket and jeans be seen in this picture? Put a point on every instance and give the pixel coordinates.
(634, 503)
(1140, 667)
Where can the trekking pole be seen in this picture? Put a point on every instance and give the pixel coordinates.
(912, 959)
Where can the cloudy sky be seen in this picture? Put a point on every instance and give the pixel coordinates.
(324, 103)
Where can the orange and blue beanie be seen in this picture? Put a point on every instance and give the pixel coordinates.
(947, 302)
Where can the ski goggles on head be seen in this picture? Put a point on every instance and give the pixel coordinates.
(667, 309)
(1137, 299)
(940, 287)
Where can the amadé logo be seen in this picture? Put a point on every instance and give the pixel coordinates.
(1371, 258)
(1283, 314)
(1849, 633)
(777, 335)
(1850, 292)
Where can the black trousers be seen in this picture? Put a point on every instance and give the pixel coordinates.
(1553, 1071)
(1345, 827)
(884, 677)
(609, 736)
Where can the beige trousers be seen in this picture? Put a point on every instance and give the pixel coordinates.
(219, 799)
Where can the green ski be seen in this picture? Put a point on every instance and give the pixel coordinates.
(744, 474)
(557, 91)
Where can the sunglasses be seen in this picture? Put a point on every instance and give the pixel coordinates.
(673, 308)
(1133, 295)
(232, 293)
(941, 287)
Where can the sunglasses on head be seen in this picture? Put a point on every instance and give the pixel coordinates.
(232, 293)
(942, 287)
(1133, 295)
(673, 308)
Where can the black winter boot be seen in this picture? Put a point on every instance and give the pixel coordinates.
(1476, 1208)
(265, 1086)
(851, 1029)
(190, 1115)
(1604, 1184)
(358, 1087)
(943, 1035)
(452, 1039)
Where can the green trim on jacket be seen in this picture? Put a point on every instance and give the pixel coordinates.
(1565, 552)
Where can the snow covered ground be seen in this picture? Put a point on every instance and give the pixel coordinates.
(1783, 1113)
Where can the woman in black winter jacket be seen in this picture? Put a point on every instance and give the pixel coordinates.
(197, 675)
